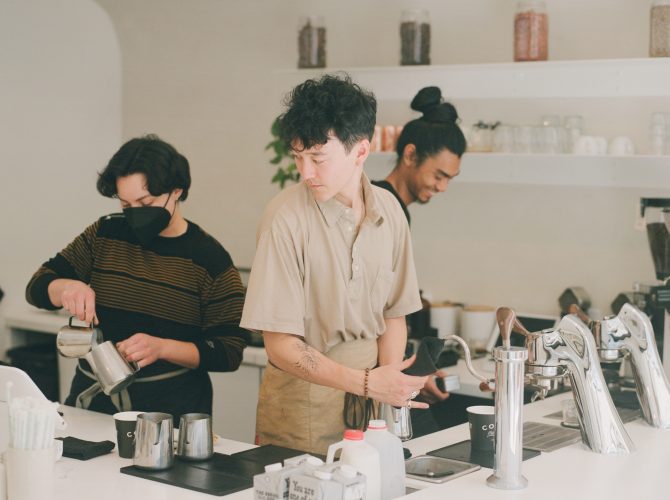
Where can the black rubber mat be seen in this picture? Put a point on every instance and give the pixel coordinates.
(462, 451)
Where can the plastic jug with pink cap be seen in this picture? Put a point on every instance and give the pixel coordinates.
(363, 457)
(391, 459)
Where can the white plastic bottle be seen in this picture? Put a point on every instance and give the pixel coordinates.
(363, 457)
(391, 459)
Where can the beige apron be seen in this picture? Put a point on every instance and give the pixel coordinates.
(297, 414)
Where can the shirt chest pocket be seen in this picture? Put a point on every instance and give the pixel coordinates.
(381, 289)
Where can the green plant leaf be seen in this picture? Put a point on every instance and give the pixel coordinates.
(282, 153)
(275, 127)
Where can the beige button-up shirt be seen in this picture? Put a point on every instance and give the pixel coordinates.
(314, 276)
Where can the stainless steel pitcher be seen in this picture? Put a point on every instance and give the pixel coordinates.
(153, 441)
(76, 341)
(111, 369)
(398, 421)
(195, 437)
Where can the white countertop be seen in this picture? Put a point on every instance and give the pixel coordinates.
(572, 472)
(100, 479)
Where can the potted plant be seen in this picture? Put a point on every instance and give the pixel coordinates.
(285, 171)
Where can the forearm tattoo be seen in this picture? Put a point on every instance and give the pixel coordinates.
(307, 362)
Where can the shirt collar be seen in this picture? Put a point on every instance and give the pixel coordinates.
(333, 209)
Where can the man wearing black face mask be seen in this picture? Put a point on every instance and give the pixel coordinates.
(147, 222)
(163, 290)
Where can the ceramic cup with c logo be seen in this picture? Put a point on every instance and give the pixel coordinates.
(125, 422)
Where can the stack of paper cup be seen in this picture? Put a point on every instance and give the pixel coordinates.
(477, 323)
(444, 316)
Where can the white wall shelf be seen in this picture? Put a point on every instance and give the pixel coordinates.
(589, 81)
(551, 170)
(547, 79)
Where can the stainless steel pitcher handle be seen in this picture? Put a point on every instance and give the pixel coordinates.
(486, 383)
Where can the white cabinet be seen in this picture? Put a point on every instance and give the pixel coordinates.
(615, 96)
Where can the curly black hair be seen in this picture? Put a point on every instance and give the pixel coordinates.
(330, 105)
(435, 131)
(164, 168)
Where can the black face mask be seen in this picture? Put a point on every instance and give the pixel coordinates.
(147, 222)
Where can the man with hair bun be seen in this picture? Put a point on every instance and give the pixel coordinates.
(429, 152)
(332, 279)
(160, 288)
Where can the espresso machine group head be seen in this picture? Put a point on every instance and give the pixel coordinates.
(570, 350)
(630, 334)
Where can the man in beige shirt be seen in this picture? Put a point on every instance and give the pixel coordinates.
(332, 279)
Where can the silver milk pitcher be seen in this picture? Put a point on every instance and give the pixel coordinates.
(111, 369)
(195, 437)
(398, 421)
(153, 441)
(76, 341)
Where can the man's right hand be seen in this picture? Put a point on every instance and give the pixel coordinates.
(388, 384)
(75, 296)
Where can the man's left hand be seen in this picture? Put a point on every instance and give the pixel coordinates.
(143, 348)
(431, 393)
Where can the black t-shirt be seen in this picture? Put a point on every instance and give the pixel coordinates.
(387, 185)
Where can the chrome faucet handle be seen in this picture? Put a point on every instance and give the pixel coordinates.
(506, 318)
(486, 384)
(579, 312)
(595, 325)
(508, 323)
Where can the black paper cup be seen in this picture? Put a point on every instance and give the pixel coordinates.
(125, 422)
(482, 422)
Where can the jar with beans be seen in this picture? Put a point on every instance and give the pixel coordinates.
(311, 42)
(659, 33)
(414, 37)
(531, 31)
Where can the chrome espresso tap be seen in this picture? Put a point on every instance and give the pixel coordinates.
(630, 333)
(570, 350)
(508, 386)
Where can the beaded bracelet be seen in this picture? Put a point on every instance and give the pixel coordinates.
(365, 383)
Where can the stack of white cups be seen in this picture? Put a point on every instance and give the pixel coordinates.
(31, 453)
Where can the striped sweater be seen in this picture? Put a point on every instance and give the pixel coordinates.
(184, 288)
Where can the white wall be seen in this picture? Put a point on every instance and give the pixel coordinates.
(198, 73)
(60, 103)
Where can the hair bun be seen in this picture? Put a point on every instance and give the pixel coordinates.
(444, 113)
(427, 99)
(429, 102)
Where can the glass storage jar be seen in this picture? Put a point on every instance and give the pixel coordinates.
(531, 31)
(414, 37)
(480, 139)
(659, 32)
(311, 42)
